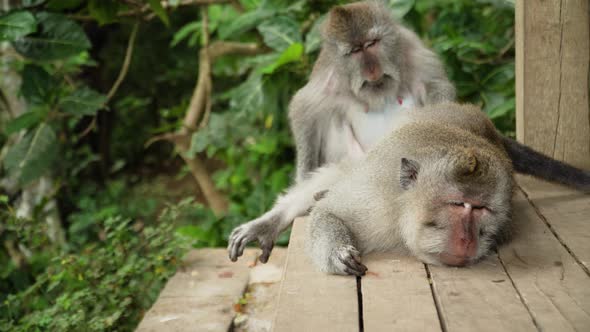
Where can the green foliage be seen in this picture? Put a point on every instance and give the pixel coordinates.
(17, 24)
(58, 38)
(33, 155)
(104, 286)
(476, 41)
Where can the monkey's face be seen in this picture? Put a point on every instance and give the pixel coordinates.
(363, 36)
(454, 220)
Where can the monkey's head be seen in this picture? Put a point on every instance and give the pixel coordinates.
(457, 205)
(363, 40)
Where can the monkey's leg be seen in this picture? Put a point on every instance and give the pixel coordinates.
(296, 202)
(331, 245)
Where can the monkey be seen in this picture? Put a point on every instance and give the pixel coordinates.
(436, 152)
(439, 187)
(370, 70)
(370, 67)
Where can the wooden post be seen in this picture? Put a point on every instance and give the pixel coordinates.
(553, 78)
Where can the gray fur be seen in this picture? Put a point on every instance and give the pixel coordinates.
(368, 209)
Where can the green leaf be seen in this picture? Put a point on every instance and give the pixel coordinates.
(16, 24)
(401, 7)
(292, 54)
(58, 37)
(313, 39)
(38, 87)
(244, 23)
(182, 33)
(104, 11)
(24, 121)
(84, 101)
(280, 32)
(33, 155)
(506, 107)
(159, 10)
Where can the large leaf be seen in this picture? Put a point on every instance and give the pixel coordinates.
(292, 54)
(57, 37)
(280, 32)
(33, 155)
(16, 24)
(24, 121)
(244, 23)
(84, 101)
(159, 10)
(38, 87)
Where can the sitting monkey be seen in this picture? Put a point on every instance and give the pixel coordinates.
(439, 186)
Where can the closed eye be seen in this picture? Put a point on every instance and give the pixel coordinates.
(433, 224)
(371, 43)
(355, 50)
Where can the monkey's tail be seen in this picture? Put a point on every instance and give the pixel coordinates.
(528, 161)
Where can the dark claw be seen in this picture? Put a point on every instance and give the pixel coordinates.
(354, 272)
(353, 262)
(266, 250)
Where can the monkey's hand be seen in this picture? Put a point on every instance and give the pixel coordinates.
(265, 231)
(346, 260)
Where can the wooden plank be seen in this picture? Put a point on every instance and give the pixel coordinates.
(553, 286)
(396, 295)
(479, 298)
(310, 300)
(201, 294)
(261, 296)
(566, 210)
(552, 87)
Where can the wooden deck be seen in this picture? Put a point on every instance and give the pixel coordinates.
(538, 282)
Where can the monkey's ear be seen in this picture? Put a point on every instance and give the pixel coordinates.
(408, 173)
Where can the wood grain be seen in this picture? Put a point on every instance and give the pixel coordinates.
(567, 211)
(201, 295)
(554, 287)
(479, 298)
(310, 300)
(552, 85)
(397, 295)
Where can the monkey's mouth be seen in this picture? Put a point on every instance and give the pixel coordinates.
(379, 84)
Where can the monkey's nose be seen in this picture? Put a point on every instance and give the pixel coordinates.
(375, 77)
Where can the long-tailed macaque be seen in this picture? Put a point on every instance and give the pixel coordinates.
(370, 70)
(438, 187)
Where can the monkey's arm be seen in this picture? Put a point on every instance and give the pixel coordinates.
(294, 203)
(528, 161)
(308, 143)
(331, 245)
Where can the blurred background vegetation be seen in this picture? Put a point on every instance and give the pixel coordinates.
(125, 139)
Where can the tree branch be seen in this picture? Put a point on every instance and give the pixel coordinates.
(126, 62)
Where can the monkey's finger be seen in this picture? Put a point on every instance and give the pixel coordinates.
(354, 265)
(354, 272)
(266, 250)
(236, 232)
(242, 244)
(232, 251)
(236, 244)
